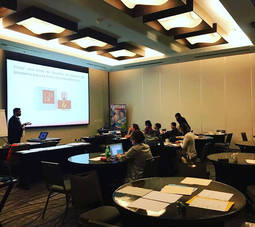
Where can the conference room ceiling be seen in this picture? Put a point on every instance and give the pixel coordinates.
(235, 21)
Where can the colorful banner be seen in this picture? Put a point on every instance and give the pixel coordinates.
(119, 116)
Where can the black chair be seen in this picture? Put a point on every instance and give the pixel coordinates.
(55, 183)
(244, 136)
(224, 147)
(93, 223)
(88, 201)
(151, 168)
(251, 195)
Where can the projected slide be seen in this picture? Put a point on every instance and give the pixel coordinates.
(47, 96)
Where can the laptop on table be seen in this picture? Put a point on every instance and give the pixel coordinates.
(115, 149)
(42, 136)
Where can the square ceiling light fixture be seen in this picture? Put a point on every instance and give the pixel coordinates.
(205, 38)
(185, 25)
(177, 20)
(39, 23)
(137, 8)
(123, 51)
(89, 39)
(7, 7)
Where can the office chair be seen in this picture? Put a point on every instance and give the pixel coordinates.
(92, 223)
(224, 147)
(151, 168)
(55, 183)
(87, 200)
(244, 136)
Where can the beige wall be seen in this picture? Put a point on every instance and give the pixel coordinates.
(99, 112)
(211, 94)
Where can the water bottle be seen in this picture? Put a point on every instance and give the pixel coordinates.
(107, 153)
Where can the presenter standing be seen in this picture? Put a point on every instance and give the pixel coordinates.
(15, 128)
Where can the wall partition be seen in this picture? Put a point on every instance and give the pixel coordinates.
(211, 94)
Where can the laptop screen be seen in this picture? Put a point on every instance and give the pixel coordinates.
(116, 149)
(43, 135)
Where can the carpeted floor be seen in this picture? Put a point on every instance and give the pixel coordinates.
(24, 208)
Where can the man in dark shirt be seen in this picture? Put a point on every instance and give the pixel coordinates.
(15, 128)
(173, 133)
(183, 124)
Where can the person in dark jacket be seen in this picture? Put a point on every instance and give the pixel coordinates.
(15, 128)
(183, 124)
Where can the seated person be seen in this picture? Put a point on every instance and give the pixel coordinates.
(157, 128)
(148, 128)
(134, 127)
(136, 156)
(171, 135)
(188, 147)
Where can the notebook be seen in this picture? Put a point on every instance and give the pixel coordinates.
(116, 149)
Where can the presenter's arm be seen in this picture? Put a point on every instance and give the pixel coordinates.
(25, 124)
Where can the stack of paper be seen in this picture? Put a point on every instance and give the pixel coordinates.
(215, 195)
(198, 181)
(162, 197)
(134, 191)
(148, 204)
(212, 200)
(250, 161)
(178, 189)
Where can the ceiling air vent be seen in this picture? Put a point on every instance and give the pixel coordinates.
(142, 65)
(223, 53)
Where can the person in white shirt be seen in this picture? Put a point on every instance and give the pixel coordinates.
(188, 147)
(136, 156)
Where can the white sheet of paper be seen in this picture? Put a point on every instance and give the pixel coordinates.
(215, 195)
(135, 191)
(211, 204)
(162, 197)
(78, 144)
(176, 189)
(198, 181)
(147, 204)
(95, 159)
(250, 161)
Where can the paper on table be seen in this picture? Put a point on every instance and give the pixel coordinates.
(162, 196)
(148, 204)
(211, 204)
(78, 144)
(194, 180)
(95, 159)
(176, 189)
(134, 190)
(250, 161)
(215, 195)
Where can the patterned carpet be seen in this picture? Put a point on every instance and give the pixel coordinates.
(24, 208)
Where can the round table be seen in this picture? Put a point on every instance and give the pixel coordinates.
(246, 145)
(111, 174)
(233, 169)
(218, 137)
(170, 216)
